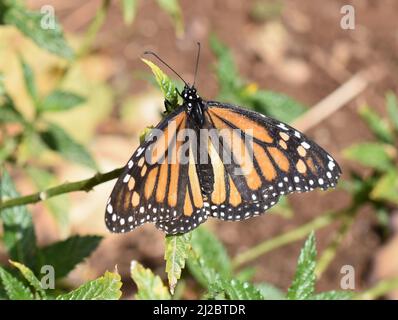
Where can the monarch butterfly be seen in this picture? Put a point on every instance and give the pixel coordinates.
(177, 196)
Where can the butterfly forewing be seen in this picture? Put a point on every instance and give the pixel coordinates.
(156, 186)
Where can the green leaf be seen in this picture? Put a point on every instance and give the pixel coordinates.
(369, 154)
(8, 112)
(129, 10)
(277, 105)
(57, 139)
(270, 292)
(58, 206)
(2, 86)
(232, 289)
(261, 11)
(14, 288)
(145, 132)
(207, 247)
(30, 82)
(383, 218)
(31, 278)
(358, 187)
(303, 285)
(106, 287)
(206, 276)
(176, 252)
(246, 274)
(3, 8)
(9, 146)
(150, 286)
(392, 108)
(229, 80)
(65, 255)
(43, 29)
(233, 88)
(386, 188)
(223, 287)
(31, 146)
(172, 7)
(60, 101)
(18, 231)
(166, 85)
(333, 295)
(378, 126)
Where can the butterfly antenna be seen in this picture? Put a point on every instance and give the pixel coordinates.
(166, 64)
(197, 64)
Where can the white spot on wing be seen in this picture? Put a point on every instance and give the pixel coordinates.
(139, 151)
(282, 126)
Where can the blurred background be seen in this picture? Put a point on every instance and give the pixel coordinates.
(265, 55)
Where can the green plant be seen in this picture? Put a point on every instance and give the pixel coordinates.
(380, 157)
(198, 256)
(19, 238)
(29, 23)
(212, 268)
(236, 90)
(171, 7)
(106, 287)
(36, 135)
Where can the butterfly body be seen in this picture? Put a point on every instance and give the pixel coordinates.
(194, 105)
(205, 168)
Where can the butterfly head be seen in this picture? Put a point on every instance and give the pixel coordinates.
(189, 94)
(193, 104)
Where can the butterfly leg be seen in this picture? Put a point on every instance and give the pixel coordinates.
(167, 106)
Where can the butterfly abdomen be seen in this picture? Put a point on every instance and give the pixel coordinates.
(206, 177)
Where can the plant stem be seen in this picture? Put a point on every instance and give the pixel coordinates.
(82, 185)
(380, 289)
(94, 27)
(330, 252)
(286, 238)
